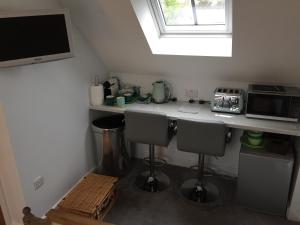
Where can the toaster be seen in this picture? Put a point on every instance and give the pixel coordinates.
(228, 100)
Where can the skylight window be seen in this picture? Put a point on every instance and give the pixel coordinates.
(192, 16)
(186, 27)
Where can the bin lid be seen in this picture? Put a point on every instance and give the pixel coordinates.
(110, 122)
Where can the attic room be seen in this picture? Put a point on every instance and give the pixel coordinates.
(143, 112)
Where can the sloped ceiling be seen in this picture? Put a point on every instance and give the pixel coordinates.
(266, 42)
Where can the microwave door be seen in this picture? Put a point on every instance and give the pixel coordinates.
(268, 105)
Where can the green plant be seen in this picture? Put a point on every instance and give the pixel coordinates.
(170, 8)
(173, 9)
(210, 2)
(171, 3)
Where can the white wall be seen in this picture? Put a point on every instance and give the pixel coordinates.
(47, 114)
(265, 43)
(205, 87)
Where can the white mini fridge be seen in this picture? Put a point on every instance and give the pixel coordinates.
(264, 179)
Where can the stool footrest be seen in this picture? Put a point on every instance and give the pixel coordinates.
(158, 162)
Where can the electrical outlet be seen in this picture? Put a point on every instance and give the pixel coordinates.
(191, 93)
(38, 182)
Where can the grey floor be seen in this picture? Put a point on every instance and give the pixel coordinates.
(135, 207)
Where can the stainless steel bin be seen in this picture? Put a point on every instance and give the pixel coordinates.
(112, 154)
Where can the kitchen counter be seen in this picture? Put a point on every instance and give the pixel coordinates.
(183, 110)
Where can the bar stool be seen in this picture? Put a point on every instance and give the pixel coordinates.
(203, 138)
(152, 129)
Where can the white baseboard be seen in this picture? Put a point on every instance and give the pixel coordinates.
(293, 216)
(56, 204)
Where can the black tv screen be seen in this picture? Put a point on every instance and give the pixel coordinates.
(33, 38)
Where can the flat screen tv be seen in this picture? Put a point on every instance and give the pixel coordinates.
(34, 37)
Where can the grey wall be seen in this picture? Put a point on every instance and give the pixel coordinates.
(47, 113)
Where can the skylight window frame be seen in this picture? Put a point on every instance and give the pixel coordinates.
(199, 29)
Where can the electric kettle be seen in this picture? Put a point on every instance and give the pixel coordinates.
(161, 92)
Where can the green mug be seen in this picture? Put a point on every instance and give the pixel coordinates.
(110, 100)
(121, 101)
(128, 97)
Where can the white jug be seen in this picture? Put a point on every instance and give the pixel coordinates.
(160, 92)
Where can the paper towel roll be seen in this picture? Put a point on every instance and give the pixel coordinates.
(96, 95)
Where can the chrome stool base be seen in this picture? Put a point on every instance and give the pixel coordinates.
(157, 183)
(204, 194)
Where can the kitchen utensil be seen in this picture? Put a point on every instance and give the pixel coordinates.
(245, 142)
(145, 99)
(255, 138)
(96, 95)
(228, 100)
(254, 134)
(128, 97)
(161, 92)
(110, 100)
(254, 141)
(273, 102)
(120, 101)
(111, 87)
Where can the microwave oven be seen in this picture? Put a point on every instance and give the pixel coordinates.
(273, 102)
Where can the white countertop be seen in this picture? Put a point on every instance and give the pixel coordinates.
(202, 112)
